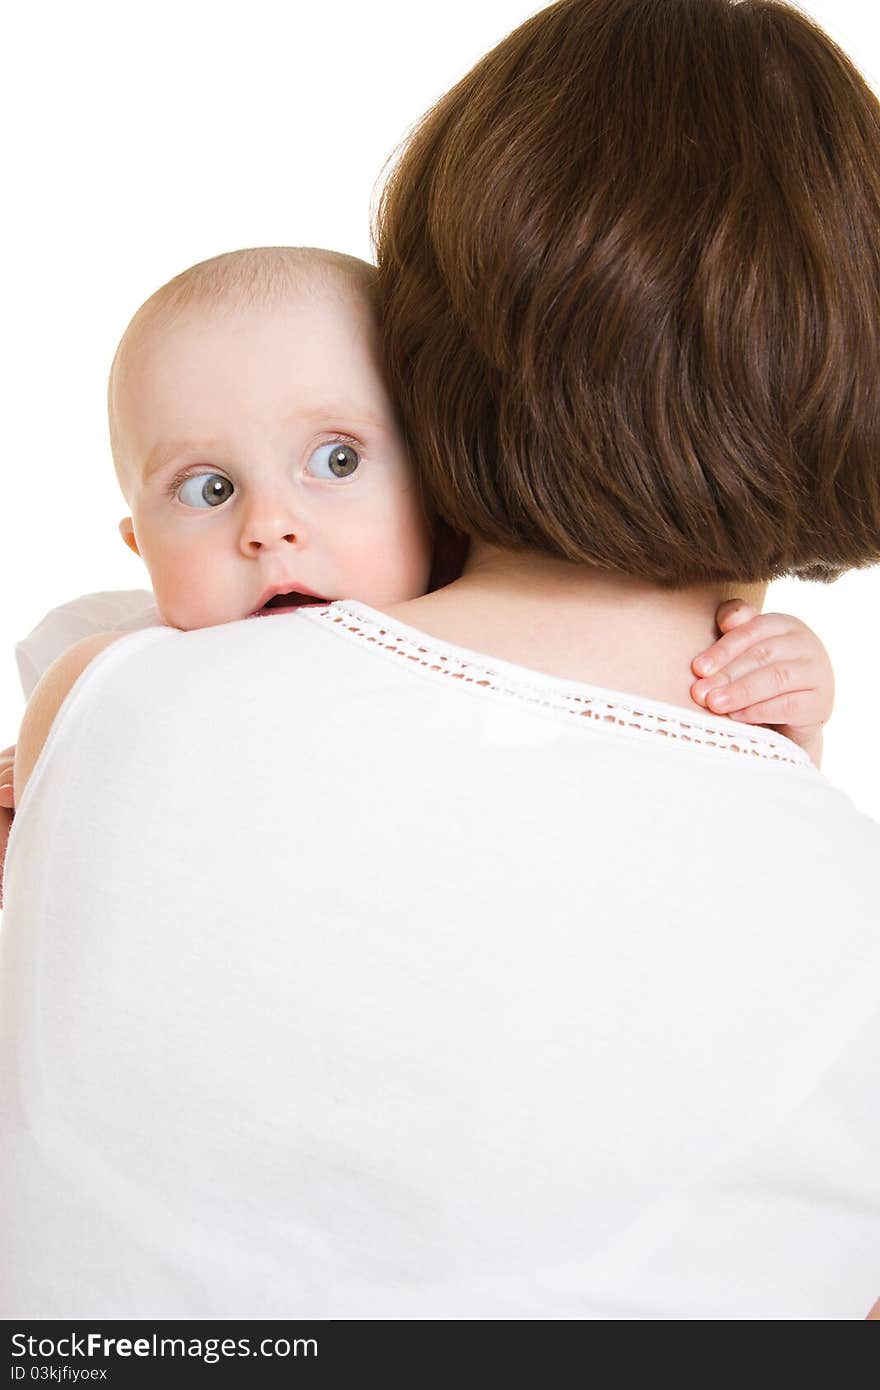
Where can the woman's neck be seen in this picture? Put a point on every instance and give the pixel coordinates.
(581, 624)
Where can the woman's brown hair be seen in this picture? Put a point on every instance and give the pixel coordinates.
(630, 281)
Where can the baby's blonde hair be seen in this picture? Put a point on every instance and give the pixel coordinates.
(256, 275)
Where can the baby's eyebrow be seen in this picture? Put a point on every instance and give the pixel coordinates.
(342, 413)
(162, 453)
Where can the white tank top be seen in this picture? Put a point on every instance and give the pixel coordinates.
(349, 974)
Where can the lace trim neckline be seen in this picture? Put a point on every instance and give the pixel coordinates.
(610, 709)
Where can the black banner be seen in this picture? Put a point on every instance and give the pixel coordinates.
(121, 1354)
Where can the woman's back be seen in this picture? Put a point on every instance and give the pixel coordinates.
(407, 983)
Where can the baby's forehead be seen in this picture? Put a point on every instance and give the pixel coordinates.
(338, 308)
(312, 297)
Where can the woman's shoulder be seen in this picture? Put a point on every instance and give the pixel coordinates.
(47, 698)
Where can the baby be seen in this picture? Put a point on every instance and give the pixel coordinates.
(256, 445)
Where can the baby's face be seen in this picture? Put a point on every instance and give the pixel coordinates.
(262, 451)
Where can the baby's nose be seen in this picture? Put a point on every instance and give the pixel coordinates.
(267, 526)
(267, 538)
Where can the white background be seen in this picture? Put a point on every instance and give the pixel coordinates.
(140, 139)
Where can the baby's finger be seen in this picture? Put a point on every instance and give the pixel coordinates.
(732, 612)
(763, 683)
(793, 708)
(756, 636)
(779, 658)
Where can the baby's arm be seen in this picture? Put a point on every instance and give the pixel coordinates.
(767, 668)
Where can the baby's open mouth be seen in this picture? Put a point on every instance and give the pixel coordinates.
(294, 599)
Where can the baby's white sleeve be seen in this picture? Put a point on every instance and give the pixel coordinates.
(121, 610)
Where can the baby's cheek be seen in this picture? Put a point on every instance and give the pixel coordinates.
(414, 561)
(361, 565)
(416, 543)
(188, 593)
(387, 570)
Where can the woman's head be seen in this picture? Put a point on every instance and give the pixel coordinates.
(630, 277)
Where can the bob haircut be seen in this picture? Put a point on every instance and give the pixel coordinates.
(630, 284)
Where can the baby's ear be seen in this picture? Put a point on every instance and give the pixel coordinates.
(126, 531)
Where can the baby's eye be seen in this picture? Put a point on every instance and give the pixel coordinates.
(208, 489)
(333, 461)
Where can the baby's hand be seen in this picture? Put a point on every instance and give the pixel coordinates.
(7, 762)
(767, 668)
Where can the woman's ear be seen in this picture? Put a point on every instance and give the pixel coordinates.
(126, 531)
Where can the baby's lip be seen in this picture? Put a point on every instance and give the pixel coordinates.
(297, 590)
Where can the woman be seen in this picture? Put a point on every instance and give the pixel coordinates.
(448, 961)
